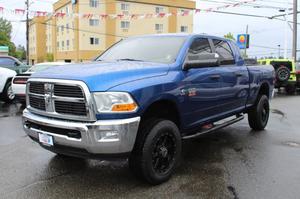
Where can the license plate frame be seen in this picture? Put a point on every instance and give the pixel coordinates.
(46, 139)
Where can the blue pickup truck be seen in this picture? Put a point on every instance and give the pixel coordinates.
(142, 97)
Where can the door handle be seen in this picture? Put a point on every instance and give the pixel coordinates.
(239, 74)
(215, 77)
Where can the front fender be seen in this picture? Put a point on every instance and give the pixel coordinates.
(5, 75)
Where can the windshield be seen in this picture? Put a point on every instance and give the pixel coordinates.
(37, 68)
(148, 49)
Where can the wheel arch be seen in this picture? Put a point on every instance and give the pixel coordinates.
(165, 108)
(264, 89)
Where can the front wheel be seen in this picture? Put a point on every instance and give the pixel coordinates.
(258, 116)
(157, 151)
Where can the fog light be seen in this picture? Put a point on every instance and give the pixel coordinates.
(108, 136)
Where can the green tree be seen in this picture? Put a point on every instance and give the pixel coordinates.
(5, 27)
(21, 52)
(5, 36)
(49, 57)
(230, 36)
(5, 41)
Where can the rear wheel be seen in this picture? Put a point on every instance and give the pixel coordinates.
(8, 94)
(258, 116)
(157, 151)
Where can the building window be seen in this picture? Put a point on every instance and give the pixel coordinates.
(57, 44)
(94, 3)
(62, 29)
(57, 29)
(62, 45)
(125, 24)
(159, 27)
(183, 29)
(94, 41)
(67, 10)
(67, 44)
(124, 6)
(67, 27)
(159, 10)
(94, 22)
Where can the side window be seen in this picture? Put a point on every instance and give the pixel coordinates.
(200, 46)
(7, 62)
(224, 51)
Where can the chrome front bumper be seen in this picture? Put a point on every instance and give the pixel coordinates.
(124, 131)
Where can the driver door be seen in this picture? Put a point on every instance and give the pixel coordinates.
(201, 86)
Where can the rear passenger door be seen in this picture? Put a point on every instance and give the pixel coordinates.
(234, 78)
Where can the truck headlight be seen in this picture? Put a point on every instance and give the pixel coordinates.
(112, 102)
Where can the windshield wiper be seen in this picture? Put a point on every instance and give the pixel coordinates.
(128, 59)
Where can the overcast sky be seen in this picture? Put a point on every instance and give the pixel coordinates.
(264, 32)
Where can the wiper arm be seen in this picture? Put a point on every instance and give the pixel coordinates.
(128, 59)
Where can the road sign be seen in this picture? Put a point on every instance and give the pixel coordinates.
(243, 41)
(4, 48)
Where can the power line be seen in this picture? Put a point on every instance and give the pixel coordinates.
(81, 30)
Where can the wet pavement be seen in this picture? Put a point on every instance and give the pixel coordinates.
(231, 163)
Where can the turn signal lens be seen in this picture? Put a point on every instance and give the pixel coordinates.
(124, 107)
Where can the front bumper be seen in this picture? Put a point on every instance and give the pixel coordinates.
(91, 134)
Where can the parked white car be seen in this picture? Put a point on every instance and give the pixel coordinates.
(20, 80)
(6, 92)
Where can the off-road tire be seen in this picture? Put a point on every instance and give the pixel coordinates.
(156, 138)
(258, 116)
(283, 74)
(5, 96)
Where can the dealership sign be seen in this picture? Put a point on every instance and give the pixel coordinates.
(243, 41)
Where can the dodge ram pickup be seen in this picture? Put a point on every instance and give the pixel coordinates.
(142, 97)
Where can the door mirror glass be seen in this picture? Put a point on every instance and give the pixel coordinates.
(201, 60)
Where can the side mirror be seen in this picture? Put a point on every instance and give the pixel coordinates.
(201, 60)
(17, 64)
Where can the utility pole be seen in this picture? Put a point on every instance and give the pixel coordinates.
(279, 51)
(246, 42)
(295, 12)
(27, 31)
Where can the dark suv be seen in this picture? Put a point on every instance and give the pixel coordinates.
(13, 64)
(298, 75)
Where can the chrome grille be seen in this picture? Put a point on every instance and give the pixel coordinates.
(60, 98)
(74, 108)
(38, 103)
(37, 88)
(68, 91)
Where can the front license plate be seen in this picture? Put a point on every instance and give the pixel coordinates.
(46, 139)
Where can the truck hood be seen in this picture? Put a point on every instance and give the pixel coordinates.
(101, 76)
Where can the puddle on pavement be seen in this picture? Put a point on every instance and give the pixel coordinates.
(8, 110)
(292, 144)
(278, 112)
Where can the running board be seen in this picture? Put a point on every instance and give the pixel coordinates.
(214, 128)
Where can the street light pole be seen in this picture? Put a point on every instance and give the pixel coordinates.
(295, 11)
(27, 31)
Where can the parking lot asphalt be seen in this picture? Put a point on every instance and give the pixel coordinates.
(234, 162)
